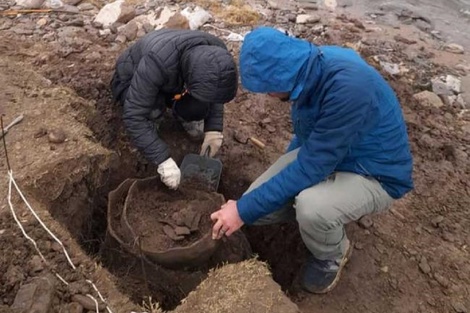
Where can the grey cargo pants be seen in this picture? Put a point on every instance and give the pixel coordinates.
(323, 210)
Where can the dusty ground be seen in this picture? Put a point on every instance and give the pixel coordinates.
(413, 259)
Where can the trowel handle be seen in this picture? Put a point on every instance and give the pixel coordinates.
(257, 143)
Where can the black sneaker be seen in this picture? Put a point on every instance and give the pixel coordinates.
(321, 276)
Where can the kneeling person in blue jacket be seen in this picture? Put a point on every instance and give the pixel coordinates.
(349, 157)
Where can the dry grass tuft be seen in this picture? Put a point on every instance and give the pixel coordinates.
(236, 13)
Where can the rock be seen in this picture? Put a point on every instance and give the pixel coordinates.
(30, 4)
(105, 32)
(459, 307)
(13, 276)
(70, 9)
(454, 84)
(424, 266)
(36, 264)
(76, 22)
(384, 269)
(380, 248)
(7, 23)
(57, 136)
(407, 41)
(86, 7)
(309, 6)
(22, 29)
(121, 38)
(182, 231)
(454, 48)
(129, 30)
(148, 27)
(118, 11)
(94, 56)
(463, 67)
(461, 101)
(74, 307)
(42, 22)
(273, 5)
(440, 88)
(197, 17)
(307, 19)
(447, 236)
(71, 2)
(366, 222)
(170, 232)
(444, 282)
(53, 4)
(359, 245)
(437, 221)
(429, 99)
(36, 296)
(391, 68)
(177, 21)
(88, 303)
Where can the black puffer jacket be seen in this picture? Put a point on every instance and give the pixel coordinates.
(162, 64)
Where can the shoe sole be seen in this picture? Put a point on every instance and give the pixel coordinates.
(345, 260)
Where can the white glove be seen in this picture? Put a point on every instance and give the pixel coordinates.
(170, 173)
(212, 139)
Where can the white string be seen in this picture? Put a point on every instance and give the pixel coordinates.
(96, 302)
(99, 294)
(39, 219)
(21, 226)
(11, 181)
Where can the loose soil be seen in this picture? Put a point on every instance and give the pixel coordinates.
(413, 259)
(148, 207)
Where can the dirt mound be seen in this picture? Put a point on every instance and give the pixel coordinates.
(244, 287)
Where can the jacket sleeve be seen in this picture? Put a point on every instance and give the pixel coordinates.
(141, 97)
(215, 118)
(343, 113)
(294, 144)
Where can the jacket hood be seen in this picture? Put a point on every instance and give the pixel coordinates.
(271, 61)
(210, 74)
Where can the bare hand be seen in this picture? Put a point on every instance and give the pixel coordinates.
(227, 220)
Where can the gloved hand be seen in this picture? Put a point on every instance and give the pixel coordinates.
(212, 139)
(170, 173)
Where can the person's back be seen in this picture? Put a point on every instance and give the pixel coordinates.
(382, 151)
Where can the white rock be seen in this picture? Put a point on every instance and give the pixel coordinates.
(428, 98)
(105, 32)
(234, 37)
(30, 4)
(391, 68)
(454, 84)
(196, 18)
(53, 4)
(306, 19)
(42, 22)
(461, 101)
(118, 11)
(159, 22)
(440, 87)
(454, 48)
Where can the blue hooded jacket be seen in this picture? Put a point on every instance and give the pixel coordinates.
(345, 117)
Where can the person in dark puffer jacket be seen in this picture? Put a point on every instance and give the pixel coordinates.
(191, 72)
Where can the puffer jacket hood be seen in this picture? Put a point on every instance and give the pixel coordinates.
(210, 74)
(271, 61)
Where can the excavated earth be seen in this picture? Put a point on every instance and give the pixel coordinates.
(414, 258)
